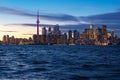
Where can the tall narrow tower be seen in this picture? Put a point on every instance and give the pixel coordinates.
(38, 39)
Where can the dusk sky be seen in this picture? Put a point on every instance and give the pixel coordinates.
(18, 17)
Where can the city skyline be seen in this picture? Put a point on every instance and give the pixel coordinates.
(18, 18)
(54, 36)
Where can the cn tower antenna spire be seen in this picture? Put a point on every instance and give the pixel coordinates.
(38, 16)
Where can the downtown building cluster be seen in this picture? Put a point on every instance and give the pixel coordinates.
(90, 36)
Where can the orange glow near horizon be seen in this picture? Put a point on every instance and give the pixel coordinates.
(17, 31)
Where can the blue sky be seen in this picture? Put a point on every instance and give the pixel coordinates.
(18, 17)
(73, 7)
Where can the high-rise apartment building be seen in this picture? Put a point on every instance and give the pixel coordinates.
(44, 31)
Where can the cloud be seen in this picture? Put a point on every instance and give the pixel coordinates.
(108, 18)
(7, 31)
(46, 16)
(60, 17)
(29, 25)
(28, 34)
(6, 9)
(118, 9)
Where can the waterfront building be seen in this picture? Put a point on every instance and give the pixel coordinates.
(70, 38)
(12, 40)
(35, 39)
(43, 39)
(7, 39)
(91, 32)
(104, 31)
(64, 38)
(98, 34)
(4, 39)
(76, 37)
(56, 30)
(86, 34)
(104, 35)
(44, 31)
(49, 31)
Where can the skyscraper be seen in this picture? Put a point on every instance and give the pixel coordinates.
(56, 30)
(91, 32)
(44, 31)
(104, 35)
(104, 32)
(49, 31)
(98, 34)
(43, 38)
(70, 37)
(69, 34)
(76, 36)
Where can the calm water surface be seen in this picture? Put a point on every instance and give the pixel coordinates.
(37, 62)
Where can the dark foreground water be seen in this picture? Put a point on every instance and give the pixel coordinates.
(30, 62)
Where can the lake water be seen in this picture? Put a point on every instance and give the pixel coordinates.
(38, 62)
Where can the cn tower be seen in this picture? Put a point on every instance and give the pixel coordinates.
(38, 40)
